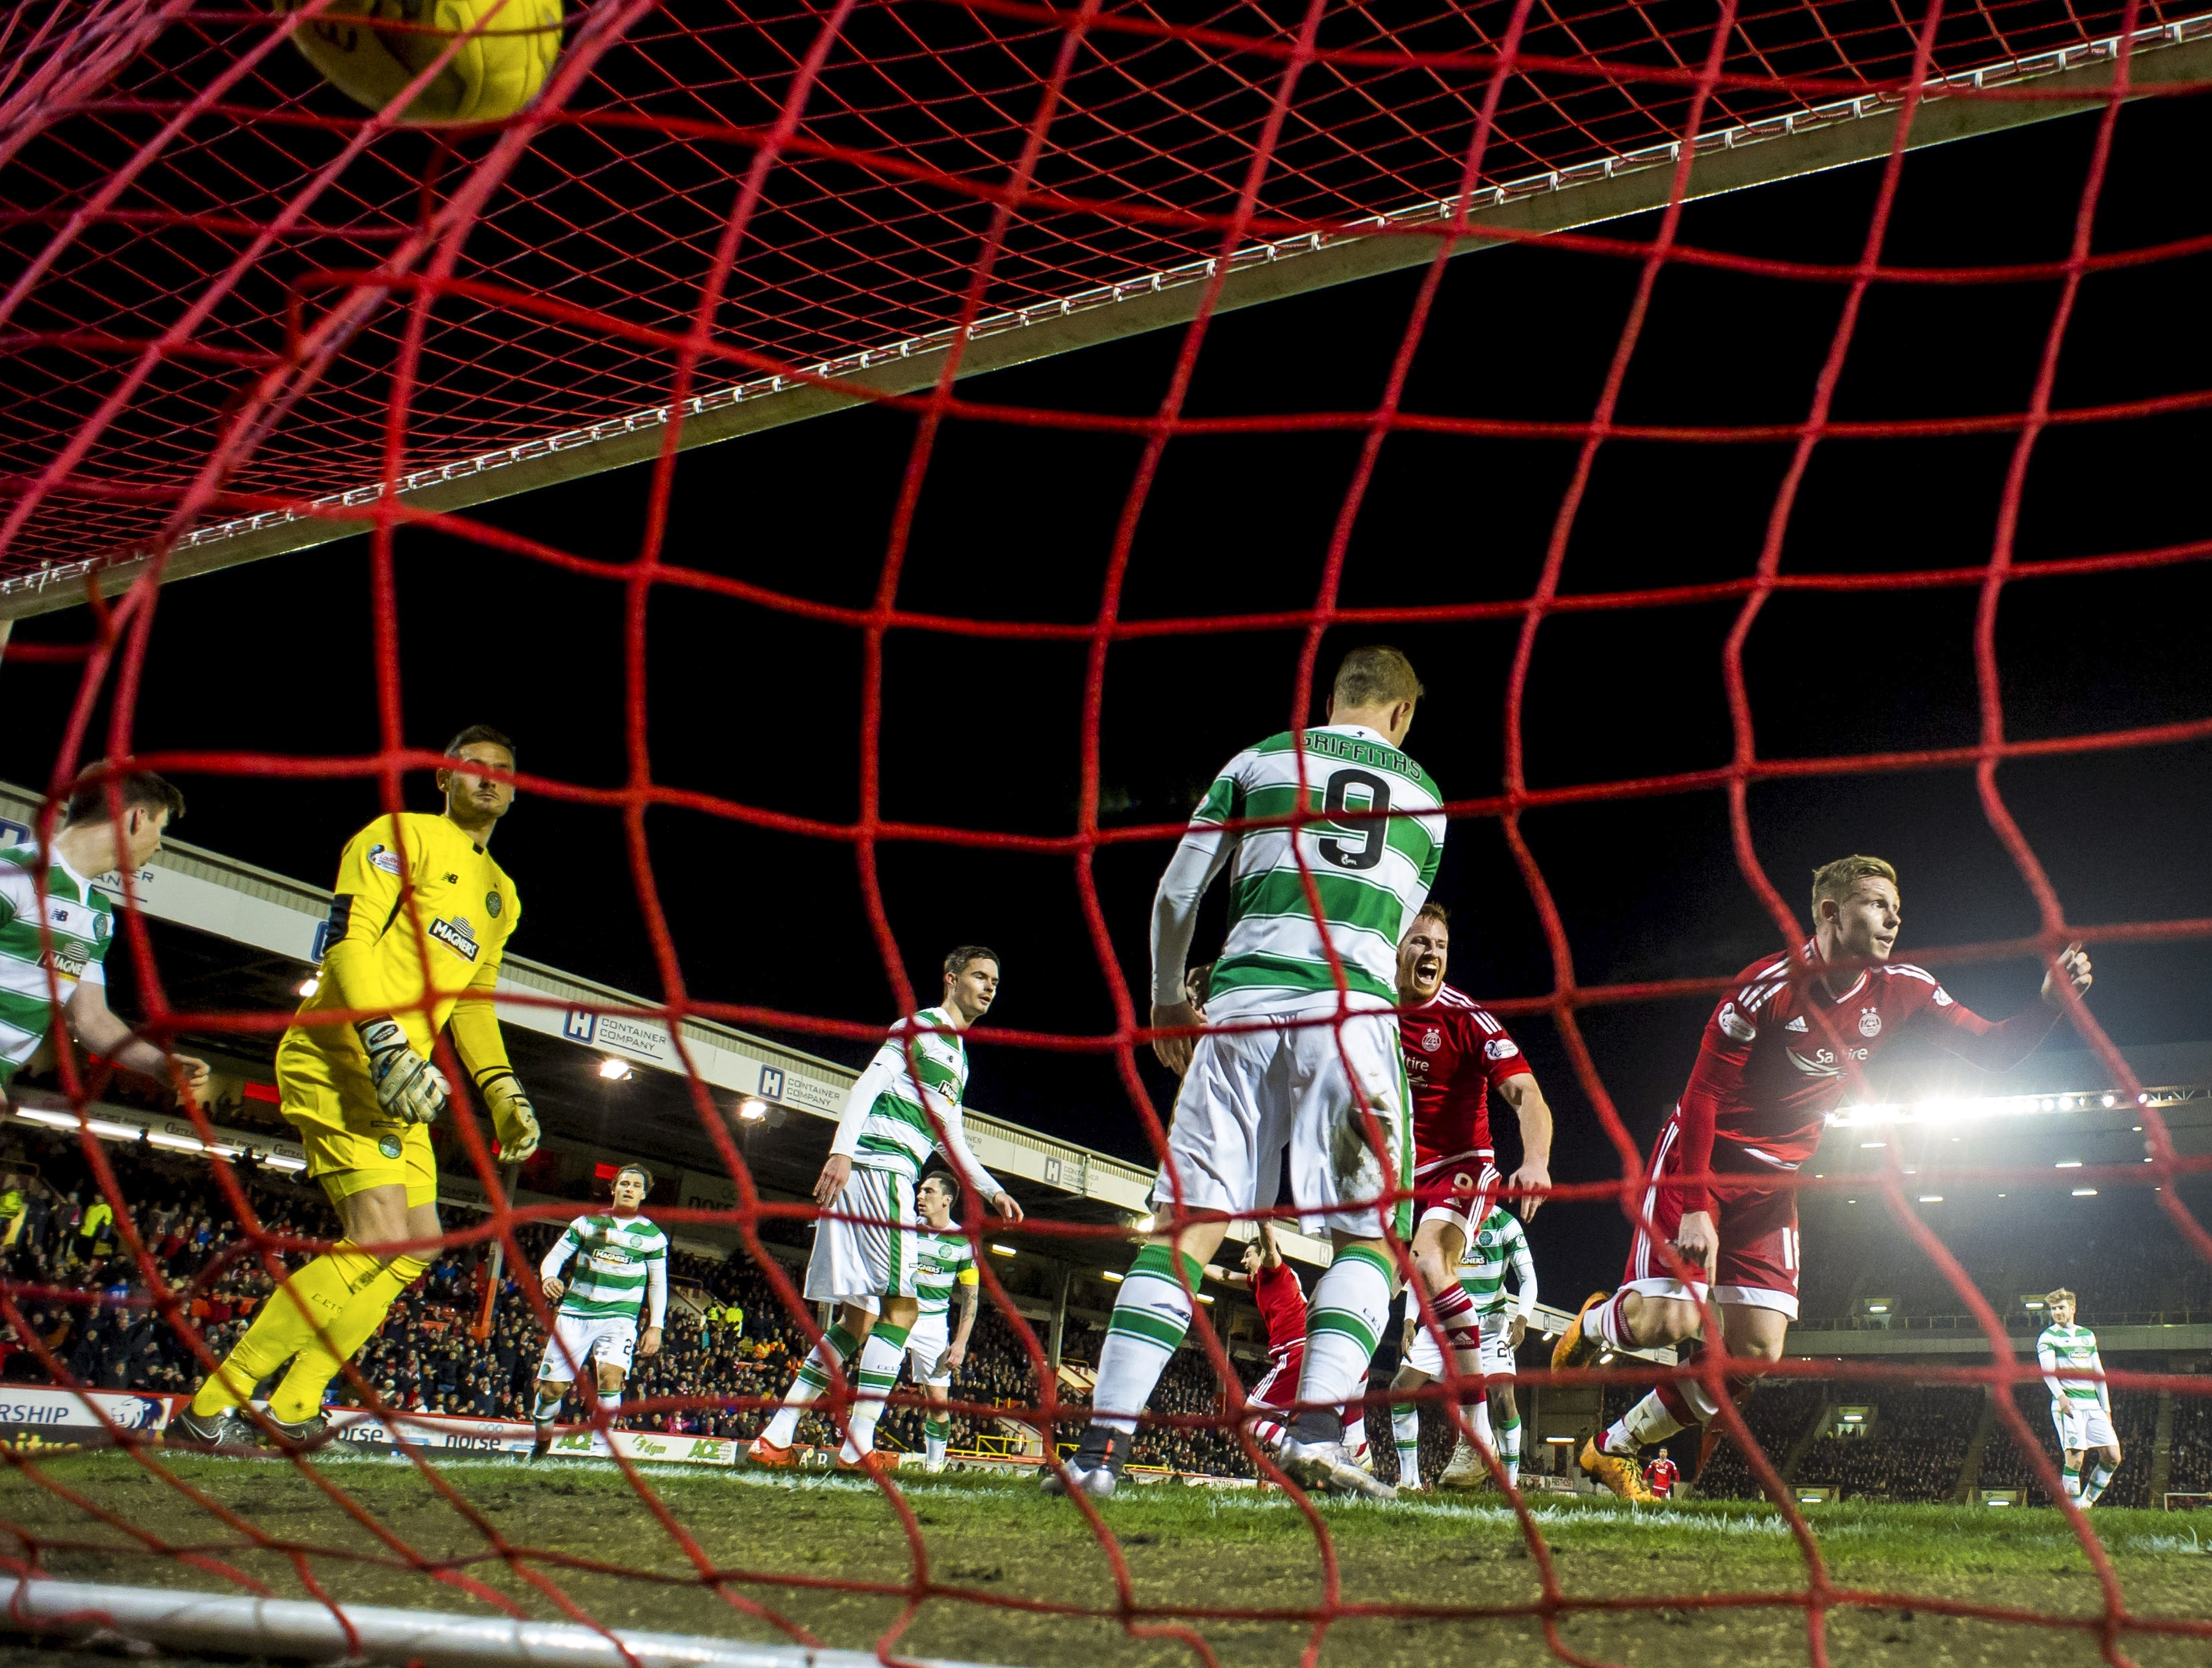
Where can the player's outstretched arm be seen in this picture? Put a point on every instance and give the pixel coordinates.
(483, 1048)
(1521, 1093)
(2000, 1045)
(99, 1028)
(1198, 858)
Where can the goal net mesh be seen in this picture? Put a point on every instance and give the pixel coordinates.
(233, 295)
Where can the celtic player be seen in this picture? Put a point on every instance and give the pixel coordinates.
(419, 922)
(904, 1107)
(55, 928)
(945, 1263)
(2081, 1405)
(1311, 1067)
(621, 1264)
(1498, 1242)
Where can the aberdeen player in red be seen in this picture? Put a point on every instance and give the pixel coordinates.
(1274, 1287)
(1455, 1053)
(1772, 1067)
(1661, 1477)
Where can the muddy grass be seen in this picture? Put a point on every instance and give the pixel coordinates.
(1012, 1578)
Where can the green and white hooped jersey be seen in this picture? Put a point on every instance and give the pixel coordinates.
(897, 1134)
(620, 1261)
(2071, 1350)
(1500, 1241)
(81, 925)
(941, 1261)
(1370, 875)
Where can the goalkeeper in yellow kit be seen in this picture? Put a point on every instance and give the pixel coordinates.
(417, 927)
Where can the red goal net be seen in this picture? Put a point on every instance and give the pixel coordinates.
(244, 316)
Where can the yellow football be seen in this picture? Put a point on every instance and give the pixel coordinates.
(492, 74)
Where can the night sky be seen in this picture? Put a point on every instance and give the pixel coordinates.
(1015, 524)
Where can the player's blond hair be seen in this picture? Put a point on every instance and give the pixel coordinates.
(2062, 1295)
(1835, 880)
(1376, 675)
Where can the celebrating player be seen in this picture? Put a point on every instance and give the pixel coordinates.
(1770, 1068)
(1455, 1053)
(51, 949)
(623, 1265)
(889, 1127)
(1281, 1301)
(2081, 1405)
(420, 920)
(1500, 1323)
(1319, 1076)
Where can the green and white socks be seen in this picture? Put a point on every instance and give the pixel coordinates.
(833, 1352)
(547, 1406)
(2089, 1493)
(1349, 1308)
(1150, 1316)
(1509, 1450)
(881, 1356)
(936, 1435)
(1406, 1433)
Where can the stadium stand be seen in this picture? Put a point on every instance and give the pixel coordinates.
(1778, 1415)
(1913, 1450)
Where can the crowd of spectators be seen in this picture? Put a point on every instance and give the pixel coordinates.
(728, 1338)
(1777, 1413)
(1913, 1449)
(2190, 1471)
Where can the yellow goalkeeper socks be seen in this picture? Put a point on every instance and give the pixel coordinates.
(301, 1392)
(316, 1296)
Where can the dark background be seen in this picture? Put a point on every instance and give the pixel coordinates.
(1015, 523)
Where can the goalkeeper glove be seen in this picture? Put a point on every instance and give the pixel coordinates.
(513, 1120)
(407, 1086)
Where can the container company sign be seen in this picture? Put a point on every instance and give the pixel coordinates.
(32, 1417)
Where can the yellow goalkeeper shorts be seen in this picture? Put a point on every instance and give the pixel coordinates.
(352, 1144)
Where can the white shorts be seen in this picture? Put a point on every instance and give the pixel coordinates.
(926, 1346)
(2083, 1425)
(1250, 1095)
(874, 1257)
(577, 1340)
(1496, 1352)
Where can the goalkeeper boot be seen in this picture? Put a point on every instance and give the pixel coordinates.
(218, 1432)
(1578, 1345)
(762, 1451)
(1468, 1468)
(297, 1435)
(1618, 1472)
(1095, 1467)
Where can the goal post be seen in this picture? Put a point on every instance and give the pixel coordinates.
(2064, 82)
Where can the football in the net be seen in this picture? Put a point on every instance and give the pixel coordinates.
(492, 73)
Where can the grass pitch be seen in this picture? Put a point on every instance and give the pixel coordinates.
(1240, 1570)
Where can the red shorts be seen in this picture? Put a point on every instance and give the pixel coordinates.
(1461, 1194)
(1280, 1388)
(1758, 1265)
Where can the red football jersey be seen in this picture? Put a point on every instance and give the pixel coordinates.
(1771, 1068)
(1455, 1052)
(1282, 1303)
(1661, 1477)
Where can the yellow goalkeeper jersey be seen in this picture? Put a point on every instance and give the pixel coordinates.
(415, 896)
